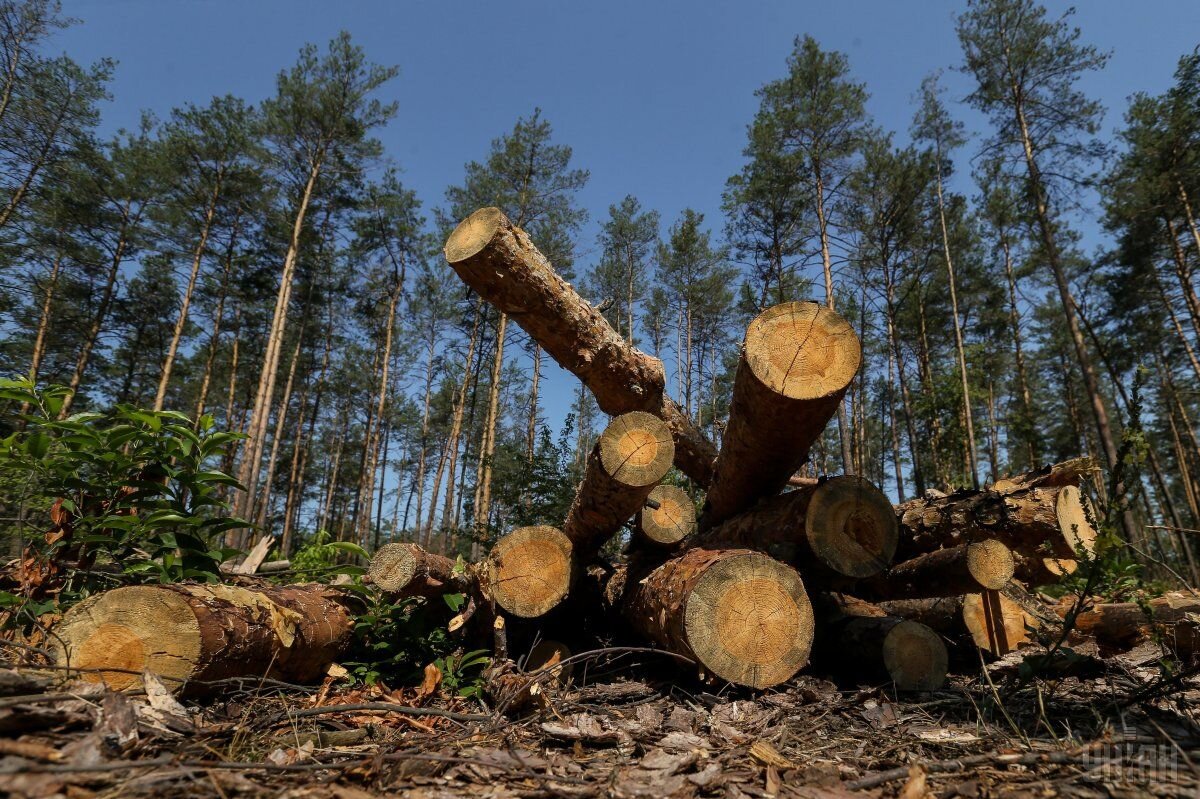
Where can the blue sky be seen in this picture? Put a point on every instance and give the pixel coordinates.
(653, 96)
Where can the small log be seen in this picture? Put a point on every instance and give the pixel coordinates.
(990, 620)
(1172, 619)
(861, 639)
(797, 361)
(843, 525)
(673, 520)
(528, 571)
(632, 455)
(192, 634)
(500, 262)
(743, 616)
(1034, 571)
(406, 570)
(964, 569)
(1055, 475)
(1036, 521)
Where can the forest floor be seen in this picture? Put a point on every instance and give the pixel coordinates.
(1121, 731)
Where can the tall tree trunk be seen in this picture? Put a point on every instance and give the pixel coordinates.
(325, 512)
(214, 338)
(827, 270)
(185, 302)
(483, 508)
(423, 458)
(371, 442)
(304, 437)
(39, 341)
(280, 420)
(925, 373)
(993, 435)
(909, 419)
(1184, 273)
(531, 433)
(1170, 309)
(1014, 319)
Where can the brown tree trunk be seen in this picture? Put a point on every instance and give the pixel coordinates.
(39, 341)
(487, 452)
(500, 262)
(961, 569)
(190, 635)
(280, 420)
(797, 362)
(1121, 626)
(405, 570)
(1014, 320)
(989, 621)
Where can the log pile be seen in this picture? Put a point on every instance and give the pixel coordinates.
(773, 570)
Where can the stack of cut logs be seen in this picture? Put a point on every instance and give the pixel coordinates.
(774, 571)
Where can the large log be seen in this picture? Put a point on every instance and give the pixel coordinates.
(856, 638)
(1173, 619)
(500, 262)
(406, 570)
(797, 361)
(1034, 520)
(668, 517)
(528, 572)
(843, 525)
(632, 455)
(190, 635)
(989, 620)
(964, 569)
(743, 616)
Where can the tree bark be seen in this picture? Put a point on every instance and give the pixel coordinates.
(961, 569)
(405, 570)
(1121, 626)
(796, 364)
(989, 621)
(498, 260)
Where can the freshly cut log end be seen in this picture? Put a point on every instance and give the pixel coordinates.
(797, 362)
(991, 563)
(851, 526)
(473, 234)
(1035, 571)
(673, 520)
(1074, 520)
(996, 623)
(405, 569)
(915, 657)
(743, 616)
(529, 570)
(191, 634)
(636, 449)
(546, 655)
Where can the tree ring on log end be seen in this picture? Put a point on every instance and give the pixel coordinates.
(673, 520)
(996, 623)
(851, 526)
(748, 620)
(473, 234)
(636, 449)
(1074, 520)
(802, 350)
(915, 657)
(135, 629)
(991, 563)
(530, 570)
(392, 567)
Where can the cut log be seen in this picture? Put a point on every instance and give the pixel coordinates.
(743, 616)
(860, 639)
(964, 569)
(1034, 521)
(1035, 571)
(500, 262)
(528, 571)
(674, 518)
(990, 620)
(1172, 619)
(844, 525)
(406, 570)
(797, 361)
(189, 635)
(632, 455)
(1056, 475)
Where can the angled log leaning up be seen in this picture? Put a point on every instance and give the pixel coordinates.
(797, 361)
(840, 527)
(192, 634)
(500, 262)
(632, 455)
(744, 617)
(406, 570)
(989, 620)
(964, 569)
(670, 519)
(862, 640)
(528, 572)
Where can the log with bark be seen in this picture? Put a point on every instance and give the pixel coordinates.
(858, 639)
(1171, 619)
(1032, 519)
(797, 361)
(964, 569)
(500, 262)
(632, 455)
(840, 527)
(1034, 571)
(190, 635)
(528, 572)
(742, 616)
(406, 570)
(668, 517)
(989, 620)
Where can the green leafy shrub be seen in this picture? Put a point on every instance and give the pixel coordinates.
(320, 556)
(102, 498)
